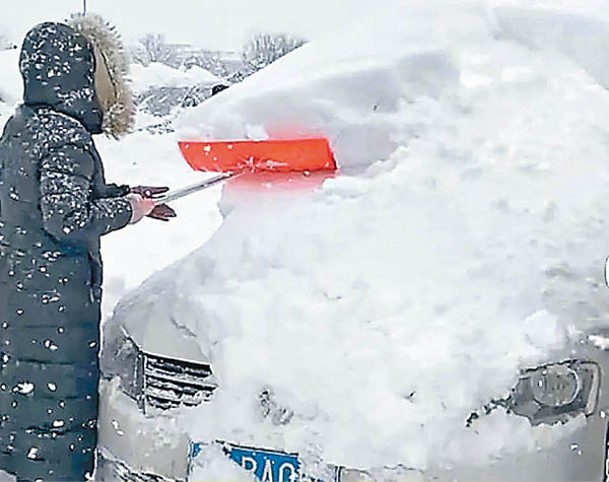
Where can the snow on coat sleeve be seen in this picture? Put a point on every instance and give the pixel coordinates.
(71, 211)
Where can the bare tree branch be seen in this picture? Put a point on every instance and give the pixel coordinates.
(264, 49)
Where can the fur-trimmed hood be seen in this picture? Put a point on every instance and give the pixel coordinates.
(112, 67)
(80, 70)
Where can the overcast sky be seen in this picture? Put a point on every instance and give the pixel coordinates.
(209, 23)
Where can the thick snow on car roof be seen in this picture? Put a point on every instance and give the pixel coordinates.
(463, 241)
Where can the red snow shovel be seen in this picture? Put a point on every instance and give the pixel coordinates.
(239, 157)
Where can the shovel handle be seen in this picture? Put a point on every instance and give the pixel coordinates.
(185, 191)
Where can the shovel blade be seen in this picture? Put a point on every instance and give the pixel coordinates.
(273, 155)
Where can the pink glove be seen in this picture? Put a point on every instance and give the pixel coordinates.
(140, 207)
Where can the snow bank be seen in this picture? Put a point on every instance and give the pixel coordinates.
(581, 38)
(157, 74)
(463, 241)
(349, 104)
(338, 88)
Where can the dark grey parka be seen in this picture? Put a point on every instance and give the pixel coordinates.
(54, 207)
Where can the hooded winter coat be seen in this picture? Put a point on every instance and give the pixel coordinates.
(54, 206)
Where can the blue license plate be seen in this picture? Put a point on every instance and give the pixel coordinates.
(266, 465)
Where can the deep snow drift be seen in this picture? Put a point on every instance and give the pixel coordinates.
(463, 241)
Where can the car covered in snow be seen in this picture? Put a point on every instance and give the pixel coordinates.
(138, 443)
(437, 311)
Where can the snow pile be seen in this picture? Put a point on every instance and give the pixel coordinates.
(581, 38)
(161, 75)
(592, 9)
(341, 88)
(460, 244)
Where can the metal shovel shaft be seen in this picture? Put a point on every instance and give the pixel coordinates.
(185, 191)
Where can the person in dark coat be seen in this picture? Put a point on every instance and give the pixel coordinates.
(55, 204)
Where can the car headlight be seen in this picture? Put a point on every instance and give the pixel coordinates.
(556, 392)
(555, 386)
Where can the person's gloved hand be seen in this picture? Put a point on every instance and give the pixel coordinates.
(162, 212)
(140, 207)
(148, 191)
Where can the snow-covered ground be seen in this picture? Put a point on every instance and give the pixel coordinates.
(157, 74)
(463, 241)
